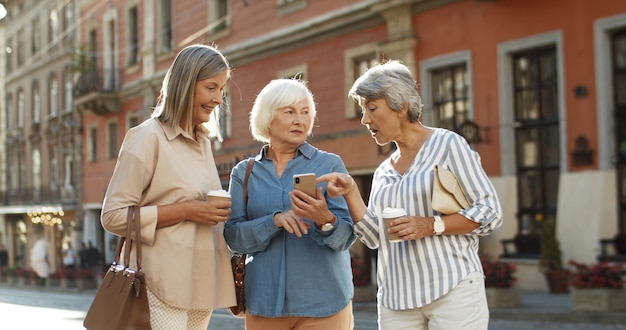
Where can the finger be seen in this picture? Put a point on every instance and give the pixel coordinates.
(301, 225)
(319, 194)
(325, 178)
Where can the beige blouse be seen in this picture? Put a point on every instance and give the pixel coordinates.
(187, 265)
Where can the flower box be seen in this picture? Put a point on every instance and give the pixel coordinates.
(503, 297)
(602, 299)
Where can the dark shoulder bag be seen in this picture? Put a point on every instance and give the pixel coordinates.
(238, 260)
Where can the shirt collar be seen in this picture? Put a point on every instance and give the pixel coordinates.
(172, 132)
(305, 149)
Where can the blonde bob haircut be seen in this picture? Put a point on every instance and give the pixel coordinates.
(193, 63)
(278, 94)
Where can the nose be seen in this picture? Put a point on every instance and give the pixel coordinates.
(297, 119)
(365, 119)
(219, 99)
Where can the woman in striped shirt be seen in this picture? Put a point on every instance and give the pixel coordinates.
(433, 278)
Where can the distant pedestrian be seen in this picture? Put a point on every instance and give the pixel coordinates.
(4, 259)
(39, 258)
(69, 257)
(83, 257)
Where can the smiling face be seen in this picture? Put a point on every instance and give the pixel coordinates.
(383, 123)
(290, 125)
(207, 95)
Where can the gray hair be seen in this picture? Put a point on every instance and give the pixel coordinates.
(393, 82)
(193, 63)
(278, 94)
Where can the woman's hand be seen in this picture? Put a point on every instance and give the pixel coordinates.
(337, 184)
(292, 223)
(311, 208)
(204, 212)
(412, 228)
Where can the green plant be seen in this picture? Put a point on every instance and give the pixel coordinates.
(10, 271)
(600, 275)
(498, 274)
(550, 248)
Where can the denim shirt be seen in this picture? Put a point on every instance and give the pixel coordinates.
(308, 276)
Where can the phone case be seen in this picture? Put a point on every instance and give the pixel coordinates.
(306, 183)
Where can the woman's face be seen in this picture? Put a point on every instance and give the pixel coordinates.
(382, 122)
(290, 125)
(207, 95)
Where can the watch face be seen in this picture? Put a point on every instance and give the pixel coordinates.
(439, 227)
(327, 227)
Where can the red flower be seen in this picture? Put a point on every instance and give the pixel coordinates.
(498, 274)
(600, 275)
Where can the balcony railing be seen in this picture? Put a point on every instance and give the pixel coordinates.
(96, 90)
(31, 196)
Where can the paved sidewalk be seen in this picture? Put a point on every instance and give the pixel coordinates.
(539, 310)
(543, 306)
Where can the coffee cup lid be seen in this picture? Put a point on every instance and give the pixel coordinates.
(391, 212)
(218, 193)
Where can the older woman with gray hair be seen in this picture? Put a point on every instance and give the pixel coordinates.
(432, 278)
(298, 275)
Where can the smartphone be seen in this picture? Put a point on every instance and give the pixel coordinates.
(306, 183)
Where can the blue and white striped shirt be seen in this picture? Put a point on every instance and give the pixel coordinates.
(414, 273)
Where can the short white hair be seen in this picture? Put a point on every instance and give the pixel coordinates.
(278, 94)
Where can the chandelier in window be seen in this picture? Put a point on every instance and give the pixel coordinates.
(50, 216)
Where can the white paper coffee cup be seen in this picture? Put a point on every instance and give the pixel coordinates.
(390, 214)
(218, 195)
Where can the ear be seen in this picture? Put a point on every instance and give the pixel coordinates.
(404, 113)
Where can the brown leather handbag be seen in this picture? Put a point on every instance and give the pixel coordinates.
(238, 260)
(122, 301)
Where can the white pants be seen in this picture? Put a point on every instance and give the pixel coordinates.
(464, 307)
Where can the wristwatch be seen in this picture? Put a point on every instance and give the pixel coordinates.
(439, 226)
(327, 226)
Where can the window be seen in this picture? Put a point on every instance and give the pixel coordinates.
(21, 47)
(10, 112)
(132, 39)
(110, 49)
(14, 183)
(225, 116)
(36, 104)
(9, 55)
(286, 7)
(92, 145)
(537, 138)
(21, 108)
(165, 26)
(132, 120)
(53, 29)
(112, 139)
(69, 181)
(35, 36)
(36, 173)
(450, 96)
(68, 24)
(356, 61)
(67, 100)
(54, 97)
(218, 13)
(54, 168)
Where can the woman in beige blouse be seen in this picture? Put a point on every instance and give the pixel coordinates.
(166, 166)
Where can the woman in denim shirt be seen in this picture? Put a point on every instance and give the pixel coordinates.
(298, 273)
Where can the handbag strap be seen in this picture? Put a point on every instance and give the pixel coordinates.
(133, 228)
(241, 263)
(245, 184)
